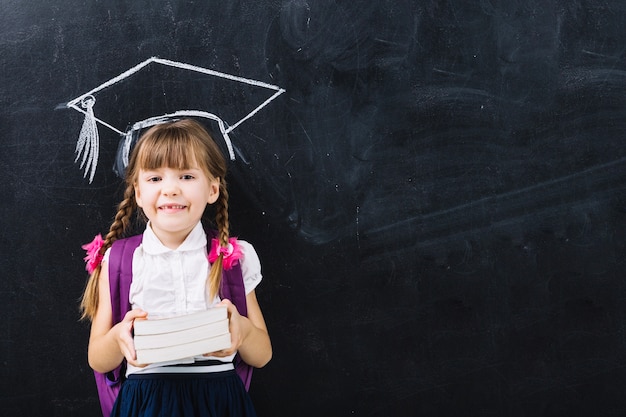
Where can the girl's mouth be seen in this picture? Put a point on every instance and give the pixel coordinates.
(172, 207)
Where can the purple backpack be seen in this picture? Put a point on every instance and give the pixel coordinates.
(120, 277)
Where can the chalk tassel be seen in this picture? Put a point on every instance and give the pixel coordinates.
(88, 144)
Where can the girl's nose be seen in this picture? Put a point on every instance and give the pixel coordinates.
(170, 187)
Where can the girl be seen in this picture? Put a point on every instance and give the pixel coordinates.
(175, 171)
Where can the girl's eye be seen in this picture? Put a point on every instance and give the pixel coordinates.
(154, 179)
(187, 177)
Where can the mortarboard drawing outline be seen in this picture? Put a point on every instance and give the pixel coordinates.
(88, 145)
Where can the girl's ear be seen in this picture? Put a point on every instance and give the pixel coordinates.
(214, 190)
(137, 195)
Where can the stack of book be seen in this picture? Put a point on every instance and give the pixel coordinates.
(161, 340)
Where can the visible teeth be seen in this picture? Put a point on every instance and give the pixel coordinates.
(174, 207)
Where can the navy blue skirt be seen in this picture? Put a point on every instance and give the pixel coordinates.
(219, 394)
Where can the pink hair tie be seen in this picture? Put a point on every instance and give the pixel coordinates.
(231, 253)
(94, 257)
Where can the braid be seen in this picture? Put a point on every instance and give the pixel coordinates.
(221, 216)
(221, 220)
(89, 302)
(125, 211)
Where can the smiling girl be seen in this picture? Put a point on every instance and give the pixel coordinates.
(175, 171)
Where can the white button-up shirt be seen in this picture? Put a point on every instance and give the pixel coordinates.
(170, 282)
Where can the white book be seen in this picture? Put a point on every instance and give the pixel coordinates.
(178, 323)
(159, 340)
(185, 350)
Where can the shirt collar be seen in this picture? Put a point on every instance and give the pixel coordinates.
(151, 244)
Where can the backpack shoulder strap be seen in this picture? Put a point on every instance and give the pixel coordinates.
(120, 277)
(121, 274)
(234, 289)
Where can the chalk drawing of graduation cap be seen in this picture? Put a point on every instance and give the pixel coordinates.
(191, 105)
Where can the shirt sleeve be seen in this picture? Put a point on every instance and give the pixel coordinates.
(250, 266)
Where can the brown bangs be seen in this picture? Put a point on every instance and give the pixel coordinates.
(182, 144)
(171, 147)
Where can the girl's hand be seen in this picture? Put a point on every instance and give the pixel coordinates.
(248, 335)
(124, 335)
(235, 326)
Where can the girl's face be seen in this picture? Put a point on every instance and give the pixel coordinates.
(174, 200)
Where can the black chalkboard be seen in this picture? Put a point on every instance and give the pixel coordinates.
(438, 199)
